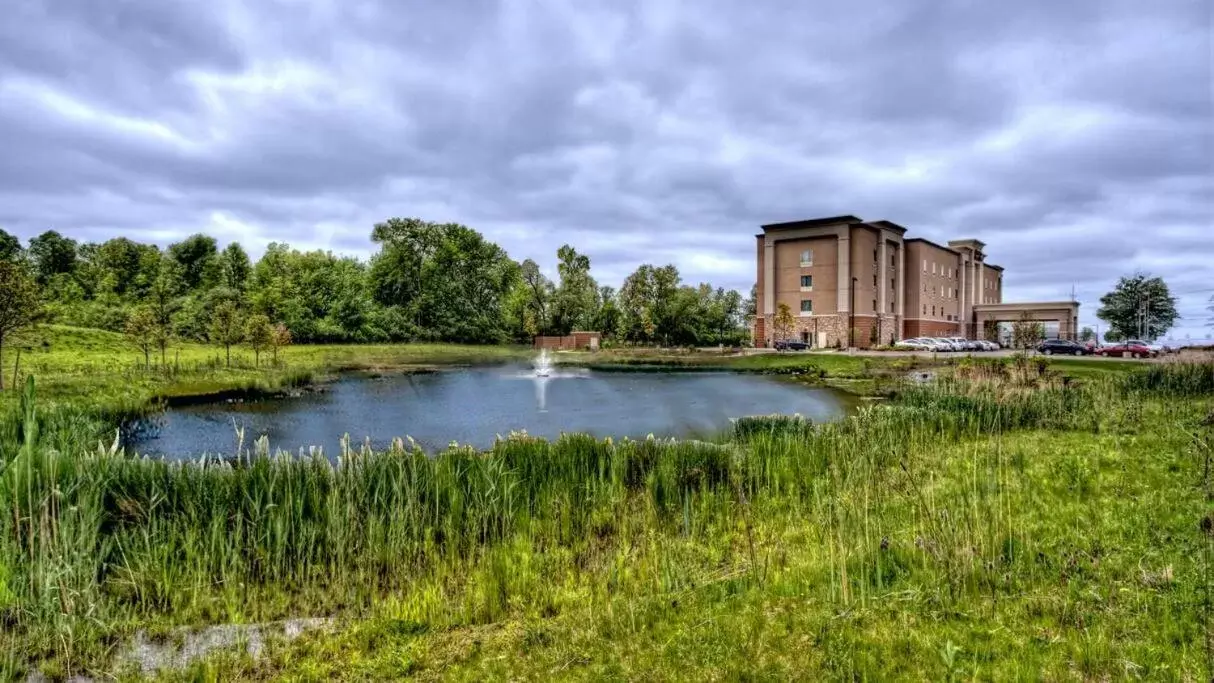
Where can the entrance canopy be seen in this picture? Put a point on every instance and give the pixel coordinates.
(1065, 313)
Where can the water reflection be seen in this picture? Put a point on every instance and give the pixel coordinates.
(474, 405)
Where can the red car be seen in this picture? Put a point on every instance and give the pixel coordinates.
(1123, 350)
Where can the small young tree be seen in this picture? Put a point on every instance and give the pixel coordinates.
(20, 304)
(1026, 331)
(783, 321)
(1087, 334)
(143, 332)
(280, 338)
(226, 329)
(259, 335)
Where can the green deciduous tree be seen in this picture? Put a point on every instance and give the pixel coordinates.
(52, 254)
(20, 304)
(576, 299)
(259, 335)
(142, 332)
(199, 260)
(164, 299)
(1087, 334)
(234, 267)
(226, 328)
(1139, 306)
(10, 247)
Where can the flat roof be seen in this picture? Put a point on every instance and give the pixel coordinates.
(991, 265)
(938, 246)
(890, 225)
(812, 222)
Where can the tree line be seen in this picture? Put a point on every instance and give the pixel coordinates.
(427, 282)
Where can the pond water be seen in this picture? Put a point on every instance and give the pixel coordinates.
(473, 405)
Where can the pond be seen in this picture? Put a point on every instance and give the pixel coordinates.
(473, 405)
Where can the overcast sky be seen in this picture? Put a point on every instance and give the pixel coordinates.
(1076, 137)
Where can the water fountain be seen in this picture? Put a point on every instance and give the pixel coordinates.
(543, 364)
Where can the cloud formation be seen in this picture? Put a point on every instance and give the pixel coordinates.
(1076, 138)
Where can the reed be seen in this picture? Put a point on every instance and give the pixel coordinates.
(960, 503)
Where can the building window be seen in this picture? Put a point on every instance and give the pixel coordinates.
(893, 260)
(925, 265)
(875, 309)
(807, 257)
(874, 280)
(807, 306)
(891, 307)
(933, 267)
(924, 309)
(874, 256)
(891, 284)
(933, 311)
(807, 282)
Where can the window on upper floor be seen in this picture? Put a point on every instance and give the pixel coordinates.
(807, 257)
(925, 265)
(933, 311)
(924, 309)
(807, 305)
(891, 307)
(875, 309)
(891, 284)
(933, 267)
(807, 282)
(875, 257)
(874, 279)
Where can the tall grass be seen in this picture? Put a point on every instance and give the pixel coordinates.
(94, 542)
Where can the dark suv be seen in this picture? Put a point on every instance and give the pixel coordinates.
(1064, 347)
(790, 345)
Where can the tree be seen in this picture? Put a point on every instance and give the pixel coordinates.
(576, 298)
(20, 304)
(199, 260)
(259, 335)
(10, 247)
(280, 338)
(142, 332)
(234, 267)
(52, 254)
(226, 329)
(1087, 334)
(1140, 306)
(164, 300)
(783, 321)
(1026, 331)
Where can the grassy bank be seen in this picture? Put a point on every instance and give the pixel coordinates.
(95, 368)
(995, 525)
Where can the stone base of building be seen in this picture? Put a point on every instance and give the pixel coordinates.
(831, 331)
(931, 328)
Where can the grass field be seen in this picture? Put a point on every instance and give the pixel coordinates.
(1001, 523)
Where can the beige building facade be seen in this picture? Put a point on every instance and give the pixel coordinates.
(847, 281)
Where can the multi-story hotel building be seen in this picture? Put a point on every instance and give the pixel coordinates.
(842, 273)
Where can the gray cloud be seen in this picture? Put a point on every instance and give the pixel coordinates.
(1074, 138)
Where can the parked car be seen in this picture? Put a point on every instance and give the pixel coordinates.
(967, 344)
(989, 345)
(790, 345)
(1064, 347)
(1126, 349)
(949, 344)
(1155, 347)
(912, 344)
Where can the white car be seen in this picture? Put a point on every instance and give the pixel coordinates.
(948, 344)
(920, 344)
(967, 344)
